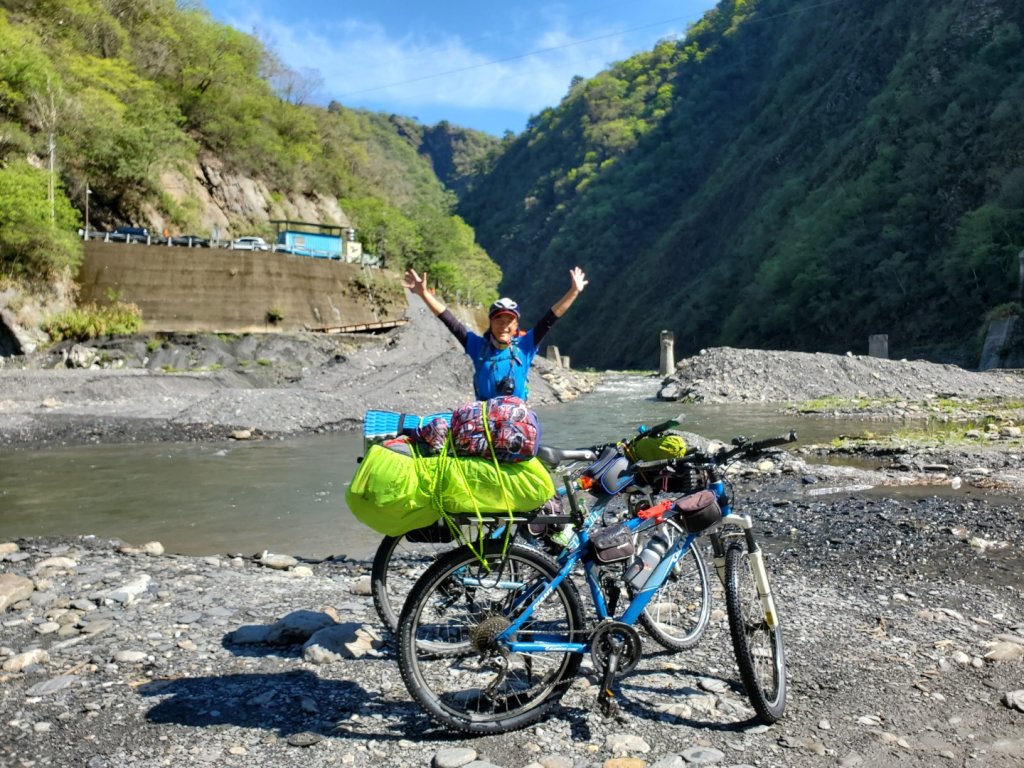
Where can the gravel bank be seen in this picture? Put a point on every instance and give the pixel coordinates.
(727, 375)
(208, 387)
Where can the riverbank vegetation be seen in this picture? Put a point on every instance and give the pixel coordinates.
(118, 318)
(935, 422)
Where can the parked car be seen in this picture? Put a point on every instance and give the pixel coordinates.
(190, 241)
(250, 244)
(130, 235)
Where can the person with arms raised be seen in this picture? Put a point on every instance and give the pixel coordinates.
(503, 355)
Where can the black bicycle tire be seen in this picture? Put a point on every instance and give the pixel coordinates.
(379, 582)
(419, 601)
(653, 627)
(741, 591)
(383, 569)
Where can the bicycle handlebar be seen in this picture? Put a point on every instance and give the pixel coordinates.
(744, 448)
(721, 456)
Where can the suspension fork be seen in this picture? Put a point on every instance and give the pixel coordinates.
(718, 553)
(755, 558)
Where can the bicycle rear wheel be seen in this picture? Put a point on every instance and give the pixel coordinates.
(400, 560)
(449, 653)
(759, 651)
(678, 614)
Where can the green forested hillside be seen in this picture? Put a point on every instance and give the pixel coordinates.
(792, 175)
(115, 92)
(458, 155)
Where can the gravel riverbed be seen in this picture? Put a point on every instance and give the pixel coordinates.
(902, 618)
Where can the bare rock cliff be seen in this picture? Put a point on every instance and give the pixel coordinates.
(224, 198)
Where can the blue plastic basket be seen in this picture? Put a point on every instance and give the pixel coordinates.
(379, 426)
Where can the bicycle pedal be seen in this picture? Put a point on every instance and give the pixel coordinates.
(607, 704)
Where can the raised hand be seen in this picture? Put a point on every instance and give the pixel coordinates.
(415, 283)
(579, 280)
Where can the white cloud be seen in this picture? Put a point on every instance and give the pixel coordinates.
(362, 65)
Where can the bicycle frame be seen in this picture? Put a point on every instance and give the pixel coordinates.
(658, 577)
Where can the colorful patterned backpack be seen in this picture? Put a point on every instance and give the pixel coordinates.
(510, 428)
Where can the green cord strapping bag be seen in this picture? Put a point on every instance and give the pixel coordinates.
(394, 493)
(663, 446)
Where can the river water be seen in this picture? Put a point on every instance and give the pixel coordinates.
(289, 496)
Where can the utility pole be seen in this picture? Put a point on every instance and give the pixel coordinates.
(87, 193)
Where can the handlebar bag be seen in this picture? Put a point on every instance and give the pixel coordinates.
(663, 446)
(674, 479)
(610, 471)
(698, 511)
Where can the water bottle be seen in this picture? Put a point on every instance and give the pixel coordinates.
(566, 537)
(643, 565)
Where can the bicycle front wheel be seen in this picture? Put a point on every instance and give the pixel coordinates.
(449, 651)
(759, 651)
(678, 614)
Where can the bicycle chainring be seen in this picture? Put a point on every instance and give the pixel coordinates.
(613, 636)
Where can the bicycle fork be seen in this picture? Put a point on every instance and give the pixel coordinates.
(756, 559)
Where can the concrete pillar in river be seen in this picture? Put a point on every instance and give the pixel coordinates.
(878, 345)
(668, 362)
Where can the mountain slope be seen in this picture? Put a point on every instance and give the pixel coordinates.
(789, 177)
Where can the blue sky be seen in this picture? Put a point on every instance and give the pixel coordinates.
(473, 64)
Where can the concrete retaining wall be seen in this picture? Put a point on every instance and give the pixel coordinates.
(217, 290)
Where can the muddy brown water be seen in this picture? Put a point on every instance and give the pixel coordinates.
(288, 496)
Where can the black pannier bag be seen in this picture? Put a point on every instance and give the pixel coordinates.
(613, 544)
(439, 533)
(698, 511)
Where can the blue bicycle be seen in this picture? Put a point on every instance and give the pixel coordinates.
(490, 641)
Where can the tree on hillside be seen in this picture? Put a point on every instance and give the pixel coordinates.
(36, 241)
(156, 85)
